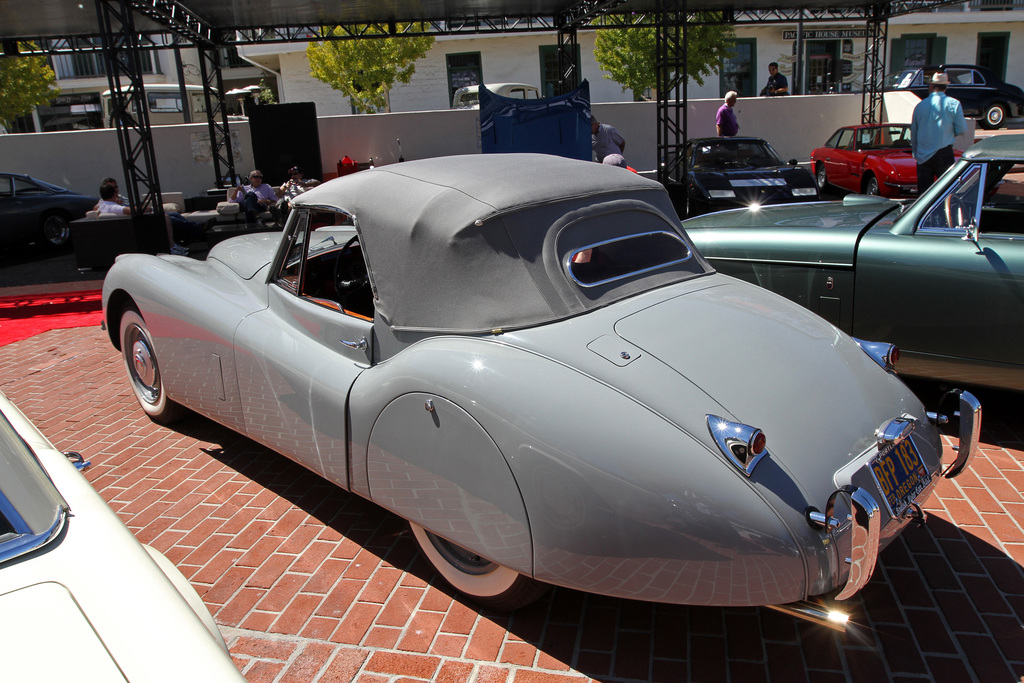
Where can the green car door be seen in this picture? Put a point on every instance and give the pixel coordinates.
(946, 281)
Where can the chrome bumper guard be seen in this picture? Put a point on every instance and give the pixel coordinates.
(865, 528)
(970, 432)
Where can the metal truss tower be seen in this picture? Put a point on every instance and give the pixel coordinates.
(671, 44)
(129, 113)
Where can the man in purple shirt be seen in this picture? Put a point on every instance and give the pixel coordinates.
(255, 197)
(725, 121)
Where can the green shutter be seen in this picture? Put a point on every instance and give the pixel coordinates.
(938, 55)
(897, 54)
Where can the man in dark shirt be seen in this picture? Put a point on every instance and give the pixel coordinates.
(777, 83)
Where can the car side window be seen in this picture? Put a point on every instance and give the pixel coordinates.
(5, 188)
(959, 76)
(959, 207)
(845, 139)
(291, 268)
(324, 264)
(23, 187)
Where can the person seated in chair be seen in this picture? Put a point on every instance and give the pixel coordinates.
(255, 197)
(296, 184)
(180, 230)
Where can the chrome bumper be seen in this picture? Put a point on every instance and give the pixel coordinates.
(865, 531)
(865, 514)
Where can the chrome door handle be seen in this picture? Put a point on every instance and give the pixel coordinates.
(357, 345)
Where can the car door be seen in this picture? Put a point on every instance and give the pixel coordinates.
(938, 291)
(969, 87)
(839, 160)
(15, 216)
(298, 358)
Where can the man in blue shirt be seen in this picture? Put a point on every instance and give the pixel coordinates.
(938, 119)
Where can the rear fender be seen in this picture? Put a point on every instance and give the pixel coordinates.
(552, 454)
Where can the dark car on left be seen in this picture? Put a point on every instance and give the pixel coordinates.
(983, 94)
(33, 210)
(726, 173)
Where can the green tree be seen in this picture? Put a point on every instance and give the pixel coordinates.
(629, 55)
(265, 95)
(365, 69)
(24, 83)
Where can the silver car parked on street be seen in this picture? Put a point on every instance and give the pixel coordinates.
(526, 358)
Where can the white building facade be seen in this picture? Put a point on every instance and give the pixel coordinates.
(985, 32)
(978, 32)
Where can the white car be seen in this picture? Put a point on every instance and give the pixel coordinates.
(81, 599)
(469, 96)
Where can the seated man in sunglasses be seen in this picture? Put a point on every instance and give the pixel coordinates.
(256, 197)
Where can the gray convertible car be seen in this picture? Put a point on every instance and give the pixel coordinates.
(526, 358)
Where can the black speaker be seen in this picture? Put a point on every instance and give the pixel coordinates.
(284, 135)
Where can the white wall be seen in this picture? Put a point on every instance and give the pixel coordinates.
(79, 159)
(507, 58)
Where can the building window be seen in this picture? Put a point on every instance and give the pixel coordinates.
(229, 58)
(911, 51)
(464, 69)
(549, 71)
(737, 72)
(92, 64)
(992, 52)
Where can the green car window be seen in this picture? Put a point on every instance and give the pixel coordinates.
(958, 208)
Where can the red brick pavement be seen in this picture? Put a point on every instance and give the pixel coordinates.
(310, 583)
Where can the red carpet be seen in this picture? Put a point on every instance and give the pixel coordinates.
(22, 317)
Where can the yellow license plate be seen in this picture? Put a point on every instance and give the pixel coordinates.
(900, 475)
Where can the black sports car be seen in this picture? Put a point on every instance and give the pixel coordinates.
(726, 173)
(982, 93)
(33, 210)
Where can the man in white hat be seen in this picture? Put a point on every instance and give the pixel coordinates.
(936, 122)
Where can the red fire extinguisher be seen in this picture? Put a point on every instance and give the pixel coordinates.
(347, 166)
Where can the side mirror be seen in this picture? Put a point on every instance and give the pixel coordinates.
(792, 162)
(971, 233)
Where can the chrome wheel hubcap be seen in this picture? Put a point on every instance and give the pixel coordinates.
(56, 231)
(464, 560)
(144, 371)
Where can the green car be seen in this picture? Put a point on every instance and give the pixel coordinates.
(941, 277)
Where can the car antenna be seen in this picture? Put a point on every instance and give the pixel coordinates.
(400, 157)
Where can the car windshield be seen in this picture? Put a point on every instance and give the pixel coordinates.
(905, 78)
(31, 509)
(728, 153)
(883, 137)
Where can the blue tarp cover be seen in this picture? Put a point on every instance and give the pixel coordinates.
(553, 125)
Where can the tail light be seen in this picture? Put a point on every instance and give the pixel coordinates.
(883, 353)
(742, 444)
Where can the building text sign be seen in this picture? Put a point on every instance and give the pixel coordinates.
(827, 34)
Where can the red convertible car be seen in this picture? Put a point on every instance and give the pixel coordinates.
(871, 159)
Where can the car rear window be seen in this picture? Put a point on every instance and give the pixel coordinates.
(604, 262)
